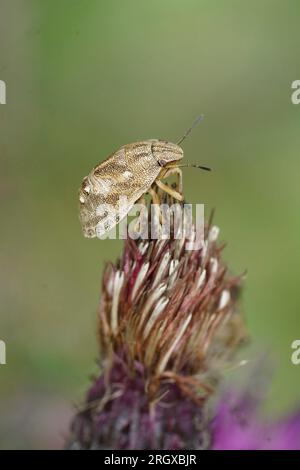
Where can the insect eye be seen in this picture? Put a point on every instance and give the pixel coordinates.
(162, 162)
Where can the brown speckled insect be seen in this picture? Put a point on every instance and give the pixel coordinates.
(129, 172)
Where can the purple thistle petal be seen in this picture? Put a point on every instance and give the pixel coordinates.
(237, 426)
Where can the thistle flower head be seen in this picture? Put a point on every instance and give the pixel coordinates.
(173, 310)
(168, 319)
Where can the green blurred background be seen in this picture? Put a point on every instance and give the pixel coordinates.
(84, 78)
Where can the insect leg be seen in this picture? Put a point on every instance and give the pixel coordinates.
(141, 201)
(172, 192)
(177, 171)
(154, 196)
(156, 202)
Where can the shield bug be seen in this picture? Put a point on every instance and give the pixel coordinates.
(128, 174)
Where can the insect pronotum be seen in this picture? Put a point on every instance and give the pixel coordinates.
(129, 172)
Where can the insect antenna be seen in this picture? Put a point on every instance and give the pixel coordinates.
(195, 123)
(193, 165)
